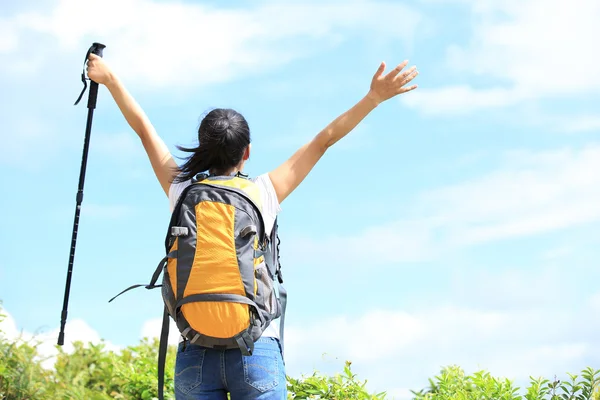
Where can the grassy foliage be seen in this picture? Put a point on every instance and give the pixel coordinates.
(339, 386)
(93, 373)
(452, 383)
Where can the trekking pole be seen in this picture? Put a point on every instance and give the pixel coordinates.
(96, 48)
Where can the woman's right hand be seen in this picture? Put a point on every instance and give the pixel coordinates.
(98, 70)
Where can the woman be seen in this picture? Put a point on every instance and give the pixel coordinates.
(224, 147)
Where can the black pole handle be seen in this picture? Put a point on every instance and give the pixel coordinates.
(96, 48)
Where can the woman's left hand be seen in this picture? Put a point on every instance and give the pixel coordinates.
(394, 83)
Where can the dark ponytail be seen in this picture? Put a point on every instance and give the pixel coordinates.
(223, 137)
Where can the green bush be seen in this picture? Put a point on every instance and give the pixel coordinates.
(21, 375)
(340, 386)
(452, 383)
(93, 373)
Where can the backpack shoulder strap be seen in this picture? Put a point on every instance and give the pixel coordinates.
(274, 252)
(175, 215)
(162, 353)
(275, 266)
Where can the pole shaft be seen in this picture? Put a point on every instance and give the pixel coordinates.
(79, 201)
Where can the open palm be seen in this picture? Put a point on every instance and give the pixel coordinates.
(384, 87)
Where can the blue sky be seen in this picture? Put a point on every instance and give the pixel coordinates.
(458, 224)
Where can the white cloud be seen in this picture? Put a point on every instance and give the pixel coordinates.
(45, 341)
(528, 194)
(533, 192)
(560, 252)
(164, 44)
(570, 123)
(460, 99)
(540, 45)
(325, 336)
(8, 37)
(399, 393)
(584, 123)
(595, 301)
(8, 327)
(536, 48)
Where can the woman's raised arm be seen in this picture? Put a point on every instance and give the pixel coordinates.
(292, 172)
(162, 161)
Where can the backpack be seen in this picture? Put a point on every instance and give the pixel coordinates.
(222, 282)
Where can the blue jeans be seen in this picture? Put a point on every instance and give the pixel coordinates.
(207, 374)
